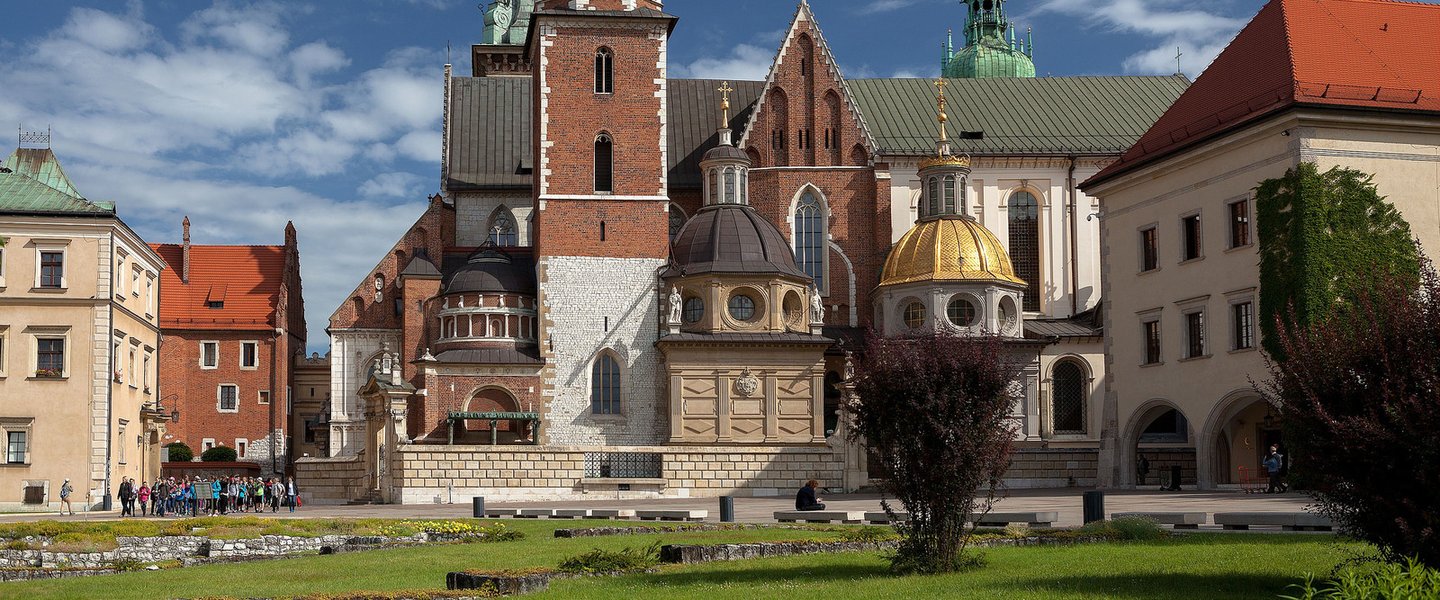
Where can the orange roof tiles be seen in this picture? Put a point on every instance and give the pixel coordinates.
(1379, 54)
(246, 278)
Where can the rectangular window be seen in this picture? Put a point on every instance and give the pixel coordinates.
(133, 382)
(146, 372)
(149, 294)
(228, 396)
(1191, 227)
(249, 355)
(1239, 223)
(121, 440)
(52, 269)
(1195, 334)
(1243, 315)
(209, 355)
(2, 267)
(1149, 250)
(264, 396)
(207, 444)
(15, 448)
(135, 281)
(49, 357)
(240, 445)
(119, 271)
(1152, 342)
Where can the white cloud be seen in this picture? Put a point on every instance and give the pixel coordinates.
(1168, 24)
(316, 58)
(745, 62)
(106, 32)
(255, 28)
(880, 6)
(408, 186)
(422, 146)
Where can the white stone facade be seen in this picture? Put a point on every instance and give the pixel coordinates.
(590, 305)
(351, 356)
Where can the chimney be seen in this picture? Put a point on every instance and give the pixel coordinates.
(185, 252)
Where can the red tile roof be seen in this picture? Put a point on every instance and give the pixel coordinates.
(1380, 54)
(246, 278)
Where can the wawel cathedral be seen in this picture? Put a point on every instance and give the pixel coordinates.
(637, 285)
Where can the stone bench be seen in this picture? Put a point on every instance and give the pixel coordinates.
(819, 516)
(1289, 521)
(880, 518)
(612, 513)
(1033, 519)
(571, 513)
(535, 513)
(1178, 520)
(672, 515)
(496, 513)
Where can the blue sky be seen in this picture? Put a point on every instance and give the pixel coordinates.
(244, 115)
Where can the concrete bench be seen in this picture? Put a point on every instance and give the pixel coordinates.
(880, 518)
(571, 513)
(495, 513)
(535, 513)
(1289, 521)
(1179, 520)
(672, 515)
(612, 513)
(819, 516)
(1033, 519)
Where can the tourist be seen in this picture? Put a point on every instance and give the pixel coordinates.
(805, 499)
(126, 489)
(290, 495)
(65, 490)
(217, 497)
(259, 487)
(277, 491)
(144, 496)
(1273, 464)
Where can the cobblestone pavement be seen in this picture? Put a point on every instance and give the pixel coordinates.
(758, 510)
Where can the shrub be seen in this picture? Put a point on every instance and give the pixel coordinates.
(1413, 581)
(1126, 528)
(868, 535)
(219, 454)
(628, 560)
(180, 452)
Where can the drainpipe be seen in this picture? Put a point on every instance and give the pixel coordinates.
(109, 382)
(1074, 242)
(274, 359)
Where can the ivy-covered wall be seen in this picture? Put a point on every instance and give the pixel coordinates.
(1324, 237)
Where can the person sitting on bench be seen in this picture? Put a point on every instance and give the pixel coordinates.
(805, 498)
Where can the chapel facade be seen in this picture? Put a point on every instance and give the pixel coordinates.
(644, 285)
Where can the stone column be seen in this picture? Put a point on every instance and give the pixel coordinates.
(817, 407)
(677, 409)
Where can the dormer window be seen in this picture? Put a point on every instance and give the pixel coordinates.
(215, 304)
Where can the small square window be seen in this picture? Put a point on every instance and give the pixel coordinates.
(264, 396)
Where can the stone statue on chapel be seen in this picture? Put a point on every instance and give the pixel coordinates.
(817, 306)
(673, 319)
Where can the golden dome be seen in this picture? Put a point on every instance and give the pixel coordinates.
(955, 248)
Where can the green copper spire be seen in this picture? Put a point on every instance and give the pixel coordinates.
(990, 47)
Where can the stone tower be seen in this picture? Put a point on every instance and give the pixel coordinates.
(990, 46)
(600, 206)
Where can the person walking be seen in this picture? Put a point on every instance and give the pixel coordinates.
(277, 491)
(144, 496)
(259, 496)
(1273, 464)
(125, 491)
(65, 491)
(290, 495)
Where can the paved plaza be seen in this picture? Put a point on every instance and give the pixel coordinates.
(1067, 502)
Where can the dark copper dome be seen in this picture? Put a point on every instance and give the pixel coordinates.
(731, 238)
(490, 270)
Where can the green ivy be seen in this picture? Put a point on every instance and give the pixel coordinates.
(1324, 238)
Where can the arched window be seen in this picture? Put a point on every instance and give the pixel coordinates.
(744, 186)
(715, 186)
(731, 182)
(677, 221)
(950, 194)
(604, 71)
(502, 228)
(930, 200)
(1025, 244)
(810, 237)
(604, 163)
(605, 386)
(1067, 397)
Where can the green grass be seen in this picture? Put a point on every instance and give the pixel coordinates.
(1182, 567)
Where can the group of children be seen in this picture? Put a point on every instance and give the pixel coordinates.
(194, 497)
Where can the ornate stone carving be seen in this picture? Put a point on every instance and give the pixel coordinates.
(817, 306)
(747, 384)
(673, 319)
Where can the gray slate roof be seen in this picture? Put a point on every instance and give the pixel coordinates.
(519, 355)
(746, 337)
(1045, 115)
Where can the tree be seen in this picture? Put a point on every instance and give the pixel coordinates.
(1359, 393)
(1324, 237)
(219, 454)
(180, 452)
(935, 411)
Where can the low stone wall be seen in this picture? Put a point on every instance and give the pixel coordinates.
(1161, 459)
(331, 480)
(158, 549)
(1052, 468)
(29, 574)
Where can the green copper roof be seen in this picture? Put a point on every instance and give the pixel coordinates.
(31, 181)
(1048, 115)
(507, 21)
(986, 52)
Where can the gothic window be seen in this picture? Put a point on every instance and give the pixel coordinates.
(1025, 244)
(502, 228)
(677, 221)
(604, 71)
(605, 386)
(810, 237)
(1068, 397)
(604, 163)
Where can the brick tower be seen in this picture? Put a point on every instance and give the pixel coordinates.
(601, 221)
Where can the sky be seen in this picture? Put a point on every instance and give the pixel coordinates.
(245, 115)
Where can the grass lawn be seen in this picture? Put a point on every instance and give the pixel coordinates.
(1189, 566)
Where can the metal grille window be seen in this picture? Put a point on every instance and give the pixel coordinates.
(1025, 244)
(604, 71)
(693, 309)
(605, 386)
(50, 356)
(1149, 250)
(1191, 226)
(1152, 342)
(635, 465)
(15, 448)
(742, 307)
(502, 229)
(914, 315)
(810, 238)
(1244, 317)
(1239, 224)
(1195, 334)
(1068, 397)
(604, 164)
(229, 396)
(52, 269)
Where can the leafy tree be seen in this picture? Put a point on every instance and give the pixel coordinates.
(1324, 237)
(1359, 392)
(935, 411)
(219, 454)
(180, 452)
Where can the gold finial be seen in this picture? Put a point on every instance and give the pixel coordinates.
(940, 83)
(725, 90)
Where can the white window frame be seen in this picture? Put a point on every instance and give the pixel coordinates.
(241, 445)
(25, 425)
(120, 256)
(241, 358)
(149, 294)
(207, 444)
(4, 348)
(263, 396)
(120, 439)
(217, 354)
(149, 353)
(61, 246)
(220, 395)
(50, 333)
(135, 272)
(134, 350)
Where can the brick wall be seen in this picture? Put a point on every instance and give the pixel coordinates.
(449, 392)
(196, 391)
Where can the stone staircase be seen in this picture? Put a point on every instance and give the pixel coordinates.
(371, 497)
